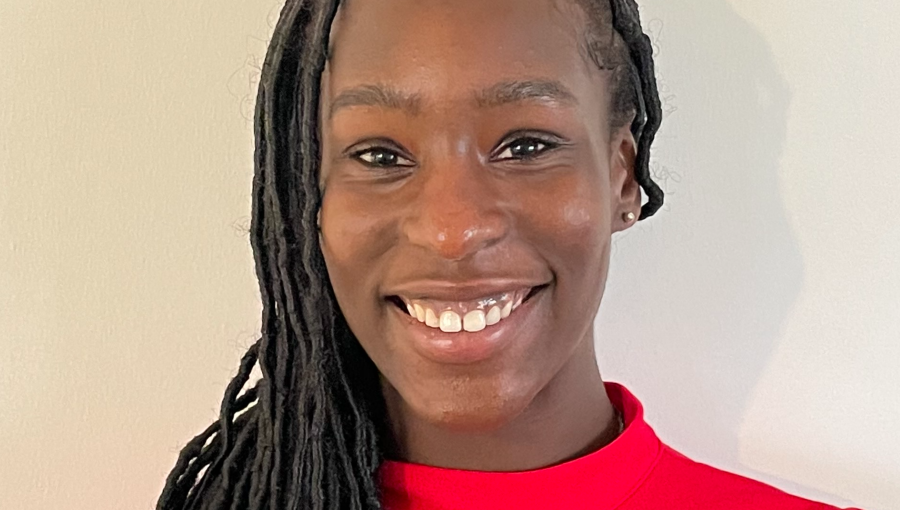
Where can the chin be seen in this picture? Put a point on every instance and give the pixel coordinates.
(460, 407)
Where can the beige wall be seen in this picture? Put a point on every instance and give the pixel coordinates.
(126, 286)
(756, 317)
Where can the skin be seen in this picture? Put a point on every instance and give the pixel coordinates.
(464, 205)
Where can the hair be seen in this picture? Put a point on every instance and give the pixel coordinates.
(308, 434)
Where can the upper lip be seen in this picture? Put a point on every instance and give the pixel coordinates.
(445, 290)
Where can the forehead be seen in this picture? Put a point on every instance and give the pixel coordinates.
(447, 48)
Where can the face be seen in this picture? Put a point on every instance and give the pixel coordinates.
(470, 177)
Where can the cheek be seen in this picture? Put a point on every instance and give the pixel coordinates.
(578, 215)
(571, 220)
(571, 228)
(352, 241)
(352, 236)
(582, 247)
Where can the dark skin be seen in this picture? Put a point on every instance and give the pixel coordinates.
(452, 181)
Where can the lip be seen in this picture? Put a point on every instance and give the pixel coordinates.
(467, 347)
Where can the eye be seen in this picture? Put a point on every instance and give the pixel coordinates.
(526, 148)
(381, 157)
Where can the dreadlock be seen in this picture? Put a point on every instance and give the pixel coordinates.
(307, 436)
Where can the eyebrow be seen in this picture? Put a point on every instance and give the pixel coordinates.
(547, 91)
(499, 94)
(376, 95)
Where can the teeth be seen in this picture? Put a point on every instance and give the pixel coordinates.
(450, 322)
(493, 316)
(469, 316)
(474, 321)
(431, 320)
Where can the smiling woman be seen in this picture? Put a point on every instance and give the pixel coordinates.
(437, 186)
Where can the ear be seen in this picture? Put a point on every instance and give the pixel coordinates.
(625, 192)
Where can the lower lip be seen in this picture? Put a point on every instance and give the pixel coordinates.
(467, 347)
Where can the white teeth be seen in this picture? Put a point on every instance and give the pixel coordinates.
(473, 316)
(431, 319)
(474, 321)
(450, 322)
(493, 316)
(420, 312)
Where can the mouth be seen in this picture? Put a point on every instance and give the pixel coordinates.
(465, 316)
(468, 332)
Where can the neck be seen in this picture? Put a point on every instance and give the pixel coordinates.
(570, 417)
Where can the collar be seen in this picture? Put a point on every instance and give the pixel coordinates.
(604, 478)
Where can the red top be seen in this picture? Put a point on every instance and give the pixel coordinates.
(636, 471)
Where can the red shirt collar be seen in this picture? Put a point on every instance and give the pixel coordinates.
(604, 478)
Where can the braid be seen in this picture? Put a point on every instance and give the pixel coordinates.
(626, 21)
(616, 42)
(310, 439)
(307, 435)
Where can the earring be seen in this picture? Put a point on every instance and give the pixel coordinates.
(628, 217)
(319, 220)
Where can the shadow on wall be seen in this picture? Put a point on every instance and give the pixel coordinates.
(698, 295)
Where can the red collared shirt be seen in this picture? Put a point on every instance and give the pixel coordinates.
(636, 471)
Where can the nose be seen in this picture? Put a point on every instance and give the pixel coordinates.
(458, 210)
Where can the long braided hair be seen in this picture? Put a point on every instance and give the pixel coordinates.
(307, 435)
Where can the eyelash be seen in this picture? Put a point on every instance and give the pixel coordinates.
(357, 155)
(548, 143)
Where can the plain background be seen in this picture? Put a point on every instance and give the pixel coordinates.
(756, 316)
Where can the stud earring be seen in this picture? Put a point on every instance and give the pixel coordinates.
(628, 217)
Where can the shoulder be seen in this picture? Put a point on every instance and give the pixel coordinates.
(685, 484)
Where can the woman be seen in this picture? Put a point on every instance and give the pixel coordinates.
(437, 185)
